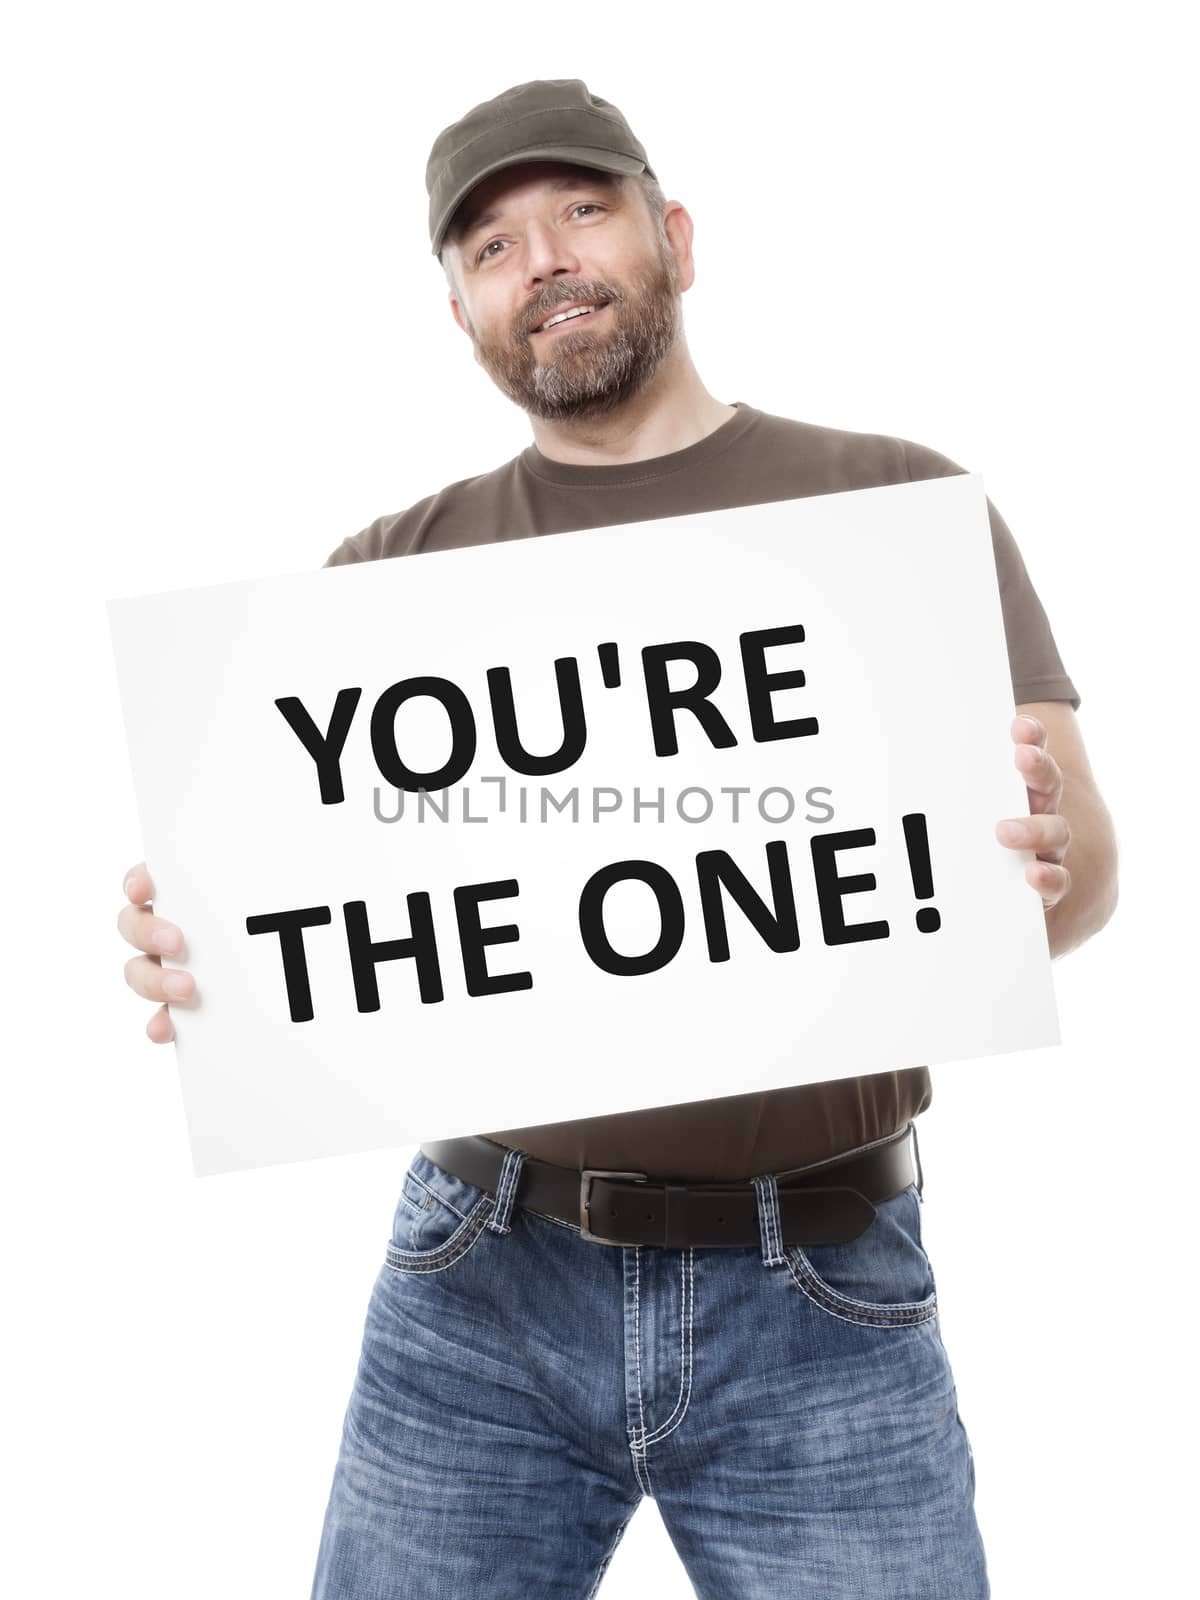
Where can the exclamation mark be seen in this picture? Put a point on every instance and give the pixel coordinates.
(916, 841)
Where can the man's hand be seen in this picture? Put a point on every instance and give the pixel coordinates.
(138, 924)
(1045, 830)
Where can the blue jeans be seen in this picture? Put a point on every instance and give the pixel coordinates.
(520, 1389)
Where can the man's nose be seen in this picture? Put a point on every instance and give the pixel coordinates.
(549, 253)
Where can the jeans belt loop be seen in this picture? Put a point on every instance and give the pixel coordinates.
(769, 1221)
(506, 1189)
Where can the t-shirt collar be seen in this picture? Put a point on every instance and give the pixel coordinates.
(578, 475)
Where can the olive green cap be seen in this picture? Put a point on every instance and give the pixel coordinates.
(548, 119)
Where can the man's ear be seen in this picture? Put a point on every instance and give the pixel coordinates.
(678, 226)
(456, 305)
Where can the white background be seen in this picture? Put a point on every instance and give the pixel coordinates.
(227, 346)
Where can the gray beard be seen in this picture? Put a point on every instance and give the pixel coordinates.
(591, 374)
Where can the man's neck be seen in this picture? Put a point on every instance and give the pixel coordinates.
(673, 411)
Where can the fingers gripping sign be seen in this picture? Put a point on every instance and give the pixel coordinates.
(138, 925)
(1045, 830)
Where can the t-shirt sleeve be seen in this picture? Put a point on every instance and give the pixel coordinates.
(345, 553)
(1033, 659)
(389, 535)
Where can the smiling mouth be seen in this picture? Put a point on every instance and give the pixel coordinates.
(570, 322)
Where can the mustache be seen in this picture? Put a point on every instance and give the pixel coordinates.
(564, 295)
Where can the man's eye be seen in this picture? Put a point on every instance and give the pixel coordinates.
(584, 205)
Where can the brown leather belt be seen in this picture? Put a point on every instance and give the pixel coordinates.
(825, 1203)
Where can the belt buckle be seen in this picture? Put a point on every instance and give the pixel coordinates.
(585, 1179)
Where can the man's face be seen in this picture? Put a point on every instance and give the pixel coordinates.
(537, 238)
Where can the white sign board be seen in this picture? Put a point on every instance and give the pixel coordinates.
(559, 827)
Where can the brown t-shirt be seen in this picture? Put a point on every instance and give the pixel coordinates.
(753, 457)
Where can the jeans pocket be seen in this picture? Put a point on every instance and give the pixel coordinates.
(882, 1279)
(437, 1220)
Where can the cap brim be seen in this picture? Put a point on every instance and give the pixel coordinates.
(579, 155)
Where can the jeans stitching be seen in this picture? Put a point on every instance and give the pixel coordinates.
(637, 1339)
(441, 1197)
(849, 1309)
(638, 1463)
(852, 1300)
(770, 1224)
(637, 1434)
(688, 1298)
(447, 1253)
(500, 1220)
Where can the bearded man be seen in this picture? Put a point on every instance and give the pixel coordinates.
(573, 1316)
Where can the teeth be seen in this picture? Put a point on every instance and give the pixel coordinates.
(578, 311)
